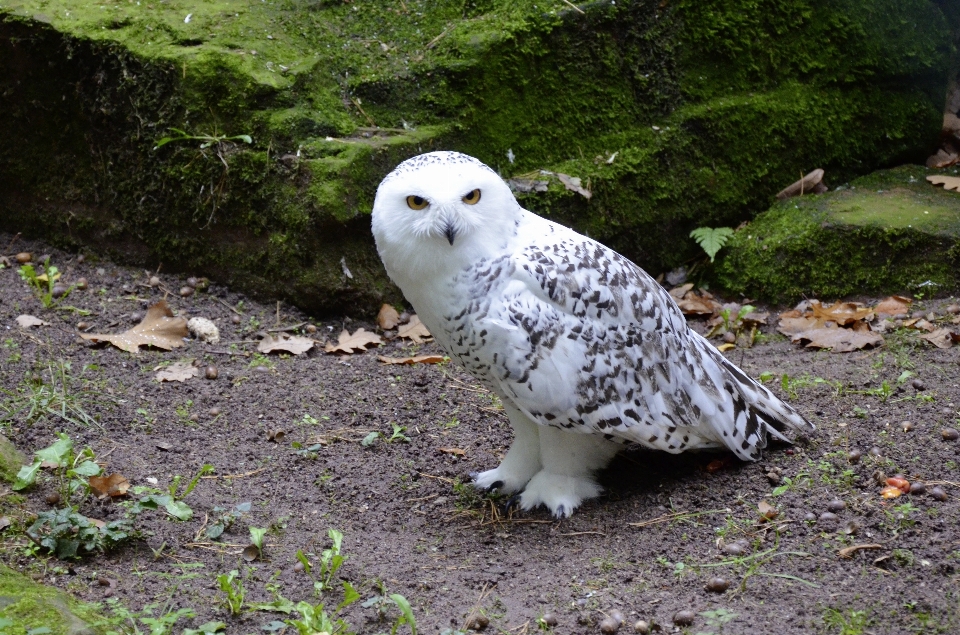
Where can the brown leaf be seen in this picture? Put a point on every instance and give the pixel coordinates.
(388, 318)
(807, 185)
(847, 552)
(679, 292)
(767, 511)
(894, 305)
(692, 304)
(941, 338)
(159, 328)
(26, 321)
(572, 183)
(419, 359)
(99, 524)
(415, 330)
(177, 372)
(839, 340)
(454, 451)
(112, 485)
(948, 182)
(794, 325)
(922, 325)
(294, 344)
(843, 313)
(359, 341)
(5, 522)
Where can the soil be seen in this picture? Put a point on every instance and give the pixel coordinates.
(647, 548)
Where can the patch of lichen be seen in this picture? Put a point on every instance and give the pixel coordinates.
(890, 231)
(746, 94)
(29, 605)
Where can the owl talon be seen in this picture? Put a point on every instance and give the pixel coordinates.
(560, 512)
(495, 485)
(512, 505)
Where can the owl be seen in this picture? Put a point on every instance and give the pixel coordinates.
(585, 350)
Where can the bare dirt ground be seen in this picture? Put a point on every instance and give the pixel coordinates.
(648, 549)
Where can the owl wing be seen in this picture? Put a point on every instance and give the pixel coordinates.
(577, 336)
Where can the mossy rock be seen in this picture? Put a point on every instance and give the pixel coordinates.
(890, 231)
(26, 605)
(675, 115)
(10, 460)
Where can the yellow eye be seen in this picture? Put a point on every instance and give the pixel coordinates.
(472, 198)
(417, 202)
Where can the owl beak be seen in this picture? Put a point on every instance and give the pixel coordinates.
(450, 232)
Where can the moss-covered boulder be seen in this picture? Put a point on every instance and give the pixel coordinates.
(10, 460)
(26, 606)
(673, 114)
(890, 231)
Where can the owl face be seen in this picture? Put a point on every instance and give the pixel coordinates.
(441, 207)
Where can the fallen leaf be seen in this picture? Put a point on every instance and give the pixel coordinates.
(894, 305)
(941, 338)
(794, 325)
(723, 348)
(419, 359)
(692, 304)
(359, 341)
(159, 328)
(679, 292)
(572, 183)
(112, 485)
(843, 313)
(767, 511)
(99, 524)
(415, 330)
(948, 182)
(388, 318)
(295, 344)
(812, 183)
(177, 372)
(922, 325)
(454, 451)
(5, 522)
(839, 340)
(847, 552)
(26, 321)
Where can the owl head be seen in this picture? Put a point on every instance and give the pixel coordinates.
(441, 210)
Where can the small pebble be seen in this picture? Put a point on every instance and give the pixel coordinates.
(836, 506)
(684, 618)
(24, 257)
(875, 451)
(718, 585)
(213, 412)
(82, 326)
(80, 259)
(854, 456)
(154, 281)
(737, 548)
(194, 417)
(810, 517)
(235, 318)
(608, 626)
(192, 282)
(58, 290)
(53, 498)
(949, 434)
(212, 372)
(186, 292)
(298, 567)
(730, 337)
(136, 317)
(81, 284)
(616, 615)
(918, 385)
(937, 493)
(641, 626)
(918, 488)
(549, 619)
(907, 426)
(261, 369)
(310, 328)
(828, 517)
(947, 412)
(477, 622)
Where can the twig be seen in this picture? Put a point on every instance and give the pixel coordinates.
(439, 478)
(437, 39)
(227, 305)
(483, 593)
(236, 475)
(15, 237)
(368, 117)
(676, 516)
(287, 329)
(584, 533)
(574, 7)
(241, 354)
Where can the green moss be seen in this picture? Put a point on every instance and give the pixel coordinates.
(28, 605)
(10, 460)
(888, 232)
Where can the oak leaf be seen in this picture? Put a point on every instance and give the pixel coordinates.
(839, 340)
(419, 359)
(159, 328)
(359, 341)
(693, 304)
(112, 485)
(941, 338)
(177, 372)
(26, 321)
(894, 305)
(843, 313)
(295, 344)
(388, 318)
(415, 330)
(948, 182)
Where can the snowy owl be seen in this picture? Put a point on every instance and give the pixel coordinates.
(586, 351)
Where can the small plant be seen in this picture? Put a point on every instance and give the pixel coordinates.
(711, 240)
(330, 561)
(849, 622)
(225, 519)
(37, 399)
(205, 139)
(717, 619)
(256, 538)
(232, 587)
(159, 621)
(398, 434)
(42, 283)
(171, 500)
(384, 601)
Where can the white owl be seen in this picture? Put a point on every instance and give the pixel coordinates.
(586, 351)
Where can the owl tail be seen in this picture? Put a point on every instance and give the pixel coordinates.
(757, 413)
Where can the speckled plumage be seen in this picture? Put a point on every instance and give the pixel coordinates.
(585, 350)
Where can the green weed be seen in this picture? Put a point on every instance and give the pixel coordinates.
(36, 399)
(849, 621)
(42, 282)
(232, 587)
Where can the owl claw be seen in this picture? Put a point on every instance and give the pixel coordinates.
(495, 485)
(512, 504)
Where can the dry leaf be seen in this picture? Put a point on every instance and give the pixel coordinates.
(419, 359)
(678, 292)
(26, 321)
(794, 325)
(572, 183)
(112, 485)
(922, 325)
(159, 328)
(177, 372)
(359, 341)
(941, 338)
(415, 330)
(295, 344)
(692, 304)
(767, 511)
(454, 451)
(948, 182)
(388, 318)
(894, 305)
(843, 313)
(839, 340)
(848, 552)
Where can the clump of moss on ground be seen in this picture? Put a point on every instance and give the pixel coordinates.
(709, 110)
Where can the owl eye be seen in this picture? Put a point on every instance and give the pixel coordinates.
(472, 198)
(417, 202)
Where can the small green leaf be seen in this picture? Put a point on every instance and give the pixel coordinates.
(57, 452)
(405, 609)
(256, 536)
(179, 510)
(711, 239)
(350, 595)
(370, 439)
(87, 468)
(27, 476)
